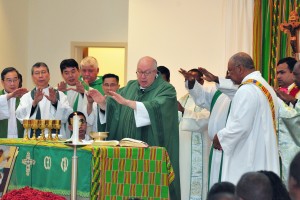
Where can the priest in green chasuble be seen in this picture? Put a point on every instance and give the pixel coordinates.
(145, 109)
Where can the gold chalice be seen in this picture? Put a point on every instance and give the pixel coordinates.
(42, 126)
(49, 126)
(34, 125)
(57, 126)
(26, 125)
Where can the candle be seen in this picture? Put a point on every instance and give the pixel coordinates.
(75, 129)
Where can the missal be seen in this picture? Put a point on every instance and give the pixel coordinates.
(129, 142)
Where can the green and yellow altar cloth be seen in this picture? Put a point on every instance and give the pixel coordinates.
(47, 166)
(125, 172)
(103, 172)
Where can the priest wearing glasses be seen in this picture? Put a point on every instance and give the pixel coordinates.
(145, 109)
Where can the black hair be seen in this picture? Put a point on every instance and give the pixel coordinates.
(164, 70)
(75, 113)
(279, 190)
(68, 63)
(38, 65)
(221, 187)
(110, 76)
(289, 61)
(294, 169)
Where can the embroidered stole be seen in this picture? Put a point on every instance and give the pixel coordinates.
(4, 122)
(268, 96)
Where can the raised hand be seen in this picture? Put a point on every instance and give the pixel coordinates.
(17, 93)
(285, 97)
(52, 96)
(62, 86)
(187, 76)
(208, 76)
(98, 98)
(38, 96)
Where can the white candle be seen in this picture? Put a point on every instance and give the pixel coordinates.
(75, 129)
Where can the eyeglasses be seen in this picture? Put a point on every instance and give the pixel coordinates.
(11, 80)
(146, 73)
(37, 73)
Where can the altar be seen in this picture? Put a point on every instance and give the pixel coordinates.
(103, 172)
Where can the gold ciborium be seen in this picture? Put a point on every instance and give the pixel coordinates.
(26, 125)
(42, 126)
(34, 125)
(49, 126)
(57, 126)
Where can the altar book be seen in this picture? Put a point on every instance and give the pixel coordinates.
(8, 156)
(129, 142)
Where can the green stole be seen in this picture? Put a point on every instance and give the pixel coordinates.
(4, 123)
(97, 84)
(214, 99)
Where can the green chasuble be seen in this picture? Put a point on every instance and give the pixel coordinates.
(97, 84)
(161, 103)
(4, 123)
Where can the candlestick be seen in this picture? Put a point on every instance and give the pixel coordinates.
(75, 129)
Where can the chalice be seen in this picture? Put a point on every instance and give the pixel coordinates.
(34, 125)
(57, 126)
(26, 125)
(42, 126)
(49, 126)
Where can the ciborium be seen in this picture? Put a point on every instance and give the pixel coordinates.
(49, 126)
(56, 125)
(26, 125)
(34, 124)
(42, 126)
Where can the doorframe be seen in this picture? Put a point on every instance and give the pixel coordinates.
(77, 51)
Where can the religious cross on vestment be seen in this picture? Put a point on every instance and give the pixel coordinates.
(28, 162)
(292, 27)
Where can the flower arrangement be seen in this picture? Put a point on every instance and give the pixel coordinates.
(30, 193)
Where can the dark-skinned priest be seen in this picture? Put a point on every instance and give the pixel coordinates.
(145, 109)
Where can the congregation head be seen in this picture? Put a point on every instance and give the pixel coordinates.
(254, 185)
(294, 178)
(146, 71)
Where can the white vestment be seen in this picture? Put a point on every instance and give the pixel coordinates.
(194, 145)
(8, 112)
(203, 97)
(287, 147)
(249, 139)
(75, 98)
(47, 110)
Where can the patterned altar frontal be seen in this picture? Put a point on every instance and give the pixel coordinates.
(124, 172)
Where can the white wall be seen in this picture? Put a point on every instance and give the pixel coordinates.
(177, 33)
(14, 35)
(54, 24)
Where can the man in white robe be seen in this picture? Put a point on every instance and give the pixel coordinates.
(194, 145)
(43, 102)
(74, 89)
(219, 106)
(249, 139)
(9, 100)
